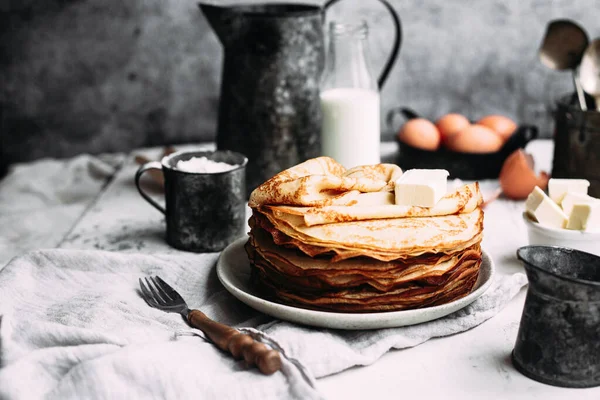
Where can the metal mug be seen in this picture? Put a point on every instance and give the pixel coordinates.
(204, 212)
(559, 334)
(577, 144)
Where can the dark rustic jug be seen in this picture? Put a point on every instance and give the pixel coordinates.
(559, 334)
(269, 105)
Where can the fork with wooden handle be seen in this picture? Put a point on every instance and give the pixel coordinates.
(158, 294)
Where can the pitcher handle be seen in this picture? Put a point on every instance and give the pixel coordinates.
(397, 40)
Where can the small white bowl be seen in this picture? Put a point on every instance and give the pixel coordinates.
(588, 241)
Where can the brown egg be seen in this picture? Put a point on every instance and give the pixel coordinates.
(420, 133)
(451, 124)
(517, 177)
(500, 124)
(475, 139)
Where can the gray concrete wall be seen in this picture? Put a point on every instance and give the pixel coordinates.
(111, 75)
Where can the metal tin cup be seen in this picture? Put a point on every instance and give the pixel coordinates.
(204, 211)
(559, 335)
(577, 144)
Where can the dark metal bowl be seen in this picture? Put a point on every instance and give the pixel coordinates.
(469, 166)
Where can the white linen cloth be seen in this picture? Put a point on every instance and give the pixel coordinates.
(74, 326)
(42, 200)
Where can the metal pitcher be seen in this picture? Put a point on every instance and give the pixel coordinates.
(559, 334)
(269, 106)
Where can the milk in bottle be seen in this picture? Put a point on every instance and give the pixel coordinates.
(350, 131)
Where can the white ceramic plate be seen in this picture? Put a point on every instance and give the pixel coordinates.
(233, 269)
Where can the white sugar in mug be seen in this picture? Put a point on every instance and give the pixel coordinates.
(204, 211)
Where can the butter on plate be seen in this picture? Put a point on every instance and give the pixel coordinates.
(545, 211)
(421, 187)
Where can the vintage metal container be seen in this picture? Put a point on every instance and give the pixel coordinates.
(269, 107)
(204, 211)
(577, 144)
(559, 334)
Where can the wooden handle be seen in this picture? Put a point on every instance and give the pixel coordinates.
(240, 345)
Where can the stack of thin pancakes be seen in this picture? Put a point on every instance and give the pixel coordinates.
(326, 238)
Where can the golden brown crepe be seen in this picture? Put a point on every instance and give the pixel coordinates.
(355, 296)
(411, 296)
(319, 273)
(322, 181)
(337, 254)
(327, 238)
(384, 238)
(380, 205)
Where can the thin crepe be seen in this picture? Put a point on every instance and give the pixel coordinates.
(294, 270)
(457, 283)
(322, 181)
(258, 221)
(380, 205)
(399, 237)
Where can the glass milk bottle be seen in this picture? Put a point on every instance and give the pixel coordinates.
(350, 131)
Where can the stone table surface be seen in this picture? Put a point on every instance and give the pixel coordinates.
(470, 365)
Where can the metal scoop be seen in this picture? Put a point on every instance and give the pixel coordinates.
(562, 49)
(590, 71)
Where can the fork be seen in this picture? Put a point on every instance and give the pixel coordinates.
(158, 294)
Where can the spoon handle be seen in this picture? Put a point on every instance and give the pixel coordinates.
(579, 90)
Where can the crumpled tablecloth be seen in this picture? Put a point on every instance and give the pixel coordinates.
(73, 326)
(40, 201)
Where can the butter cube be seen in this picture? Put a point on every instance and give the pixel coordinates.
(544, 210)
(585, 216)
(421, 187)
(575, 198)
(558, 188)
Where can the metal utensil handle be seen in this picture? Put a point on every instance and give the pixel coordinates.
(579, 90)
(240, 345)
(397, 40)
(148, 166)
